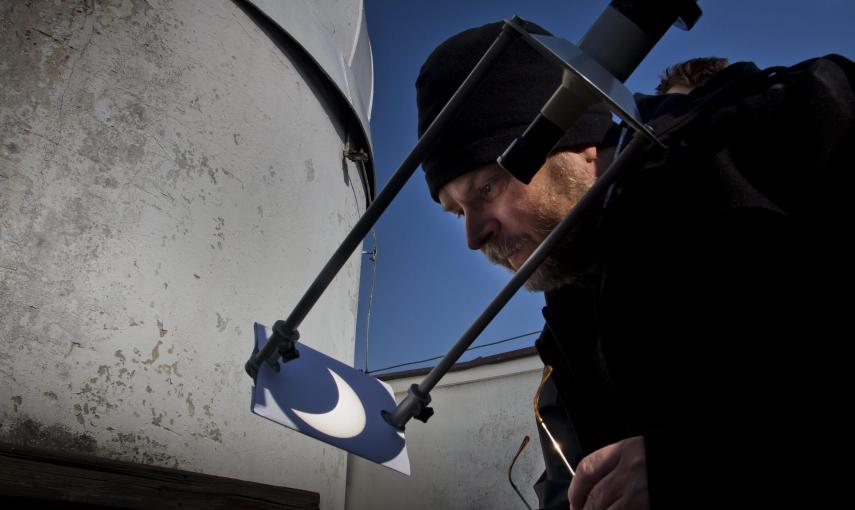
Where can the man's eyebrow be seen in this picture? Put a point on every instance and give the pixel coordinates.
(449, 208)
(469, 184)
(453, 208)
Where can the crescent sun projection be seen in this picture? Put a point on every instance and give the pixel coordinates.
(345, 420)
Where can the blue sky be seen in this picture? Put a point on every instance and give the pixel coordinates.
(429, 286)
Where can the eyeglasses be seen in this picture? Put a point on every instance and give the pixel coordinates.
(547, 371)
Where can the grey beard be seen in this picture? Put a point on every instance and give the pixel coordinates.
(552, 273)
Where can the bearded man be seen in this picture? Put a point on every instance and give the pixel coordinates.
(689, 330)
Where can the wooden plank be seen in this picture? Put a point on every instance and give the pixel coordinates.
(78, 481)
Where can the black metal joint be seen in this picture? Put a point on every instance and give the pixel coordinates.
(286, 340)
(252, 367)
(414, 405)
(424, 414)
(421, 412)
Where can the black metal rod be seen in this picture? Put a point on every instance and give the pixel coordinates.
(387, 194)
(593, 198)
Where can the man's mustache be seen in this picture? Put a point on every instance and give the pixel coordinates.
(500, 249)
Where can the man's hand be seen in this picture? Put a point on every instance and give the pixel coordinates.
(613, 477)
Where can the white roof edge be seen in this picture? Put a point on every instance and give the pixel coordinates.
(478, 373)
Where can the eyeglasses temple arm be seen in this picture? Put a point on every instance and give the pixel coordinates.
(511, 467)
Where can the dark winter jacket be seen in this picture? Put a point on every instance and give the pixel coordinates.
(714, 327)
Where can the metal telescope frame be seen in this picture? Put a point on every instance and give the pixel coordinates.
(561, 53)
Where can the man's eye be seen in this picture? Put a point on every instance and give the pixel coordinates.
(486, 189)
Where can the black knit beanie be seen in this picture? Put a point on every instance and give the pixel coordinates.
(498, 110)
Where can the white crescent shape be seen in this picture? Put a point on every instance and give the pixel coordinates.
(345, 420)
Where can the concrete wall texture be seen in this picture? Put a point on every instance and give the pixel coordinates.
(460, 458)
(168, 175)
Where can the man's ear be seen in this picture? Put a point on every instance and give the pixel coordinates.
(590, 155)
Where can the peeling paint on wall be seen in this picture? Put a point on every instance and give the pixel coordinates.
(156, 198)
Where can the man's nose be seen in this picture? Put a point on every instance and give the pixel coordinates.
(479, 230)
